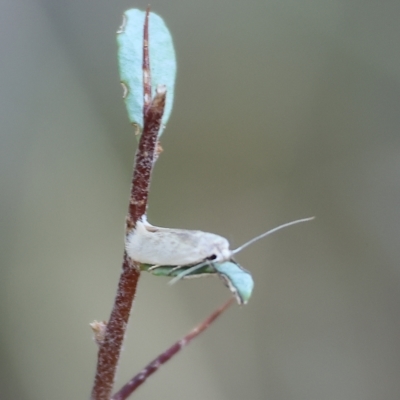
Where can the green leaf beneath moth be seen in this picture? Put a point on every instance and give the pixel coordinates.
(237, 279)
(130, 58)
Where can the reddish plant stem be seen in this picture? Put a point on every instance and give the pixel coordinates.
(145, 157)
(110, 348)
(141, 377)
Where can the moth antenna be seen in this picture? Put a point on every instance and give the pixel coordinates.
(269, 232)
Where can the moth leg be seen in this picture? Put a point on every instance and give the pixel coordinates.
(175, 269)
(154, 267)
(188, 271)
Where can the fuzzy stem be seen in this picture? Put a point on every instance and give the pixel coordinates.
(110, 349)
(145, 157)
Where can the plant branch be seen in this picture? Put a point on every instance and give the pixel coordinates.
(145, 158)
(110, 347)
(141, 377)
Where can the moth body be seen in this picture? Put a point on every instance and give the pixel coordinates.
(153, 245)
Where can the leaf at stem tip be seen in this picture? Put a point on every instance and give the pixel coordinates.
(130, 57)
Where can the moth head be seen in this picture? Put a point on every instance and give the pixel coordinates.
(220, 251)
(220, 255)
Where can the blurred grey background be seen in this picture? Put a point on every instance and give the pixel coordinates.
(283, 110)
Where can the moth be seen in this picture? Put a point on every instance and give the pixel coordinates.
(157, 246)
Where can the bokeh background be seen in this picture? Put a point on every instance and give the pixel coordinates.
(283, 110)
